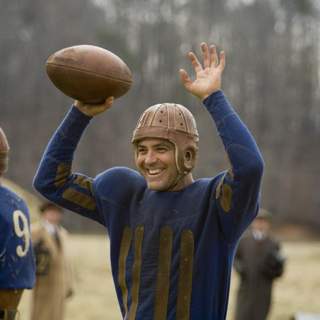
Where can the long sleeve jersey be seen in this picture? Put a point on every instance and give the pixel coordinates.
(171, 252)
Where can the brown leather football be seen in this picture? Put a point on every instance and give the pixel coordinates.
(89, 73)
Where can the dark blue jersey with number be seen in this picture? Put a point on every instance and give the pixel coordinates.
(17, 267)
(171, 252)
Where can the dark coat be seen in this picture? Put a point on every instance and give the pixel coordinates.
(258, 263)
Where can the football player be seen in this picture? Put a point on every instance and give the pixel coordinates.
(172, 237)
(17, 267)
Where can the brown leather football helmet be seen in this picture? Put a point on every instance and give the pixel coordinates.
(172, 122)
(4, 150)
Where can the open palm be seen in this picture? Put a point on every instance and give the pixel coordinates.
(207, 76)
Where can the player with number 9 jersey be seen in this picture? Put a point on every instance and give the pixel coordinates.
(16, 256)
(17, 265)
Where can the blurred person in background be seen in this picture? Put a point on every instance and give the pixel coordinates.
(17, 268)
(53, 270)
(258, 262)
(172, 238)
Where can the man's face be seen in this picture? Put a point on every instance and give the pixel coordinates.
(53, 216)
(155, 159)
(262, 225)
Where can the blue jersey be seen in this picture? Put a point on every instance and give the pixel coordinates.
(171, 252)
(17, 267)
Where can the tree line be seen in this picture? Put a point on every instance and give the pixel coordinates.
(272, 78)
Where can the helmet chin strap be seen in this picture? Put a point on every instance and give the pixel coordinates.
(176, 181)
(181, 173)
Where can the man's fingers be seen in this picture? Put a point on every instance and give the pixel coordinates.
(213, 56)
(222, 58)
(205, 53)
(185, 79)
(195, 62)
(94, 109)
(102, 106)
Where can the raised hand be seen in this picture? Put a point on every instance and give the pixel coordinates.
(207, 75)
(92, 110)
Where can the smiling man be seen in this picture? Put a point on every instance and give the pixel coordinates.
(166, 146)
(156, 162)
(172, 238)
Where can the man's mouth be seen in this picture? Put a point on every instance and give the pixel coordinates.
(154, 172)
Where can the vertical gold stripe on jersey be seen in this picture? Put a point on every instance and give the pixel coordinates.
(185, 275)
(226, 198)
(136, 270)
(124, 250)
(163, 276)
(63, 172)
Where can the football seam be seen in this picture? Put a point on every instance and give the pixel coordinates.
(89, 72)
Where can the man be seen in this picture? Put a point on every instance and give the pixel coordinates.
(259, 262)
(53, 282)
(16, 258)
(172, 238)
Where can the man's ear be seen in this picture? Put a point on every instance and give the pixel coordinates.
(188, 155)
(189, 159)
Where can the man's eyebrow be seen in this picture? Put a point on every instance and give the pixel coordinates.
(163, 144)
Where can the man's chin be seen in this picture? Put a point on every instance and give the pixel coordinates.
(156, 186)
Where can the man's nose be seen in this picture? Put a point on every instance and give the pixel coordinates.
(150, 158)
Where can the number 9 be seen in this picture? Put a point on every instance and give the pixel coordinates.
(21, 232)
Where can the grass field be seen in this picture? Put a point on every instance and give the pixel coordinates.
(298, 290)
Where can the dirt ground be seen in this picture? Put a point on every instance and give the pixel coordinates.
(94, 299)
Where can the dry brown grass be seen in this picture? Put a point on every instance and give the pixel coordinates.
(298, 290)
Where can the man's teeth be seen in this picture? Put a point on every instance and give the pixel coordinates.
(154, 171)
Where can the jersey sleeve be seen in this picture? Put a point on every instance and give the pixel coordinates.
(54, 178)
(237, 191)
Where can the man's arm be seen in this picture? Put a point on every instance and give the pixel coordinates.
(274, 262)
(54, 179)
(237, 193)
(238, 190)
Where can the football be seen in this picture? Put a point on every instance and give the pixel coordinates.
(89, 73)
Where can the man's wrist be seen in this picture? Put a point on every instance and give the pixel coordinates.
(80, 113)
(212, 94)
(205, 96)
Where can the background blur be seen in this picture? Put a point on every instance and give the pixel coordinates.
(272, 78)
